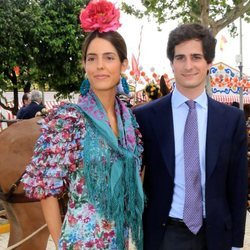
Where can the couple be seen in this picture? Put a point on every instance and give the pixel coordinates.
(94, 150)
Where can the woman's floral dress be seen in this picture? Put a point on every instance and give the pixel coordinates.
(56, 166)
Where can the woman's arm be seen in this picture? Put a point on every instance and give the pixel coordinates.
(51, 212)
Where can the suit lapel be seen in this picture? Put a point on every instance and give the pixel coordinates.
(163, 129)
(214, 129)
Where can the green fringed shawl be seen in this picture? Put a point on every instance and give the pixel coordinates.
(111, 171)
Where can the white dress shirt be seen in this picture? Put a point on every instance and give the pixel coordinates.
(180, 112)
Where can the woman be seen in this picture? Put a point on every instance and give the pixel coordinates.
(93, 150)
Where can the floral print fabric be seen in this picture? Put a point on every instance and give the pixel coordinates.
(57, 166)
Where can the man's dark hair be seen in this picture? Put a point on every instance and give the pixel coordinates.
(186, 32)
(25, 97)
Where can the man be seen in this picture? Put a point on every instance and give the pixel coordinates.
(195, 179)
(26, 101)
(35, 106)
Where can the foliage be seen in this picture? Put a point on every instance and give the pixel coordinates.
(59, 42)
(40, 45)
(17, 24)
(216, 14)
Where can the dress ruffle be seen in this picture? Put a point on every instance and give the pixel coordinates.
(57, 153)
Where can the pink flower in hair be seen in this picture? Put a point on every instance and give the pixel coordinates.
(100, 15)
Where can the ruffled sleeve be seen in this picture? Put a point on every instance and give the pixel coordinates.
(57, 153)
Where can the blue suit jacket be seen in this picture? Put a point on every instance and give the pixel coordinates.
(30, 111)
(226, 172)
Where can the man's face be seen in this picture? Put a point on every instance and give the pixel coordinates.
(190, 67)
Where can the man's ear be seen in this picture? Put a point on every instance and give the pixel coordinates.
(172, 67)
(209, 67)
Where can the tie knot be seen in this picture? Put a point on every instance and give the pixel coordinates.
(191, 104)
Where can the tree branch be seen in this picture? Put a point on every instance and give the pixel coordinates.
(231, 16)
(204, 17)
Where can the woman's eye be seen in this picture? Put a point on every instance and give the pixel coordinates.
(110, 58)
(89, 59)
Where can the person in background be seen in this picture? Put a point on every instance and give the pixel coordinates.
(92, 150)
(195, 156)
(246, 109)
(35, 105)
(235, 104)
(163, 86)
(26, 101)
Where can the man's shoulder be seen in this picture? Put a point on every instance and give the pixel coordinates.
(220, 105)
(225, 111)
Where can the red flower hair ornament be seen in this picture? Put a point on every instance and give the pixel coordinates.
(101, 16)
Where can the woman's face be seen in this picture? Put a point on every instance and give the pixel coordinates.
(103, 65)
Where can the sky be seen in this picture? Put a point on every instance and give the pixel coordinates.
(152, 52)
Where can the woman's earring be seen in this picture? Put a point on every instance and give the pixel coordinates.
(84, 89)
(125, 85)
(122, 87)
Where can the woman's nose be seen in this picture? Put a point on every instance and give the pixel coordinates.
(100, 64)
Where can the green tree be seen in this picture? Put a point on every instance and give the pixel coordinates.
(43, 38)
(59, 42)
(18, 21)
(216, 14)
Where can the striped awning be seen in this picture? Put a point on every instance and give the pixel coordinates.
(230, 98)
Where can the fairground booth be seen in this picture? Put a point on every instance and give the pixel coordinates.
(225, 84)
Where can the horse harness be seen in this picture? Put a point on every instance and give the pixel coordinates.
(12, 197)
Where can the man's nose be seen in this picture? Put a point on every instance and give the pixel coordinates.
(188, 63)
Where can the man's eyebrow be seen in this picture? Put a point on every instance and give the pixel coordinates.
(178, 55)
(197, 54)
(193, 54)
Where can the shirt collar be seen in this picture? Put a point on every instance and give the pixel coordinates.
(178, 99)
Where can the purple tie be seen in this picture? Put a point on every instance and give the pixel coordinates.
(192, 214)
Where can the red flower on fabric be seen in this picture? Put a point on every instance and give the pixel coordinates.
(100, 15)
(72, 220)
(89, 244)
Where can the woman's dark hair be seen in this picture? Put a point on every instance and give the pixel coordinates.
(186, 32)
(113, 37)
(163, 86)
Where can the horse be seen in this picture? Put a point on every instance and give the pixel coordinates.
(16, 149)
